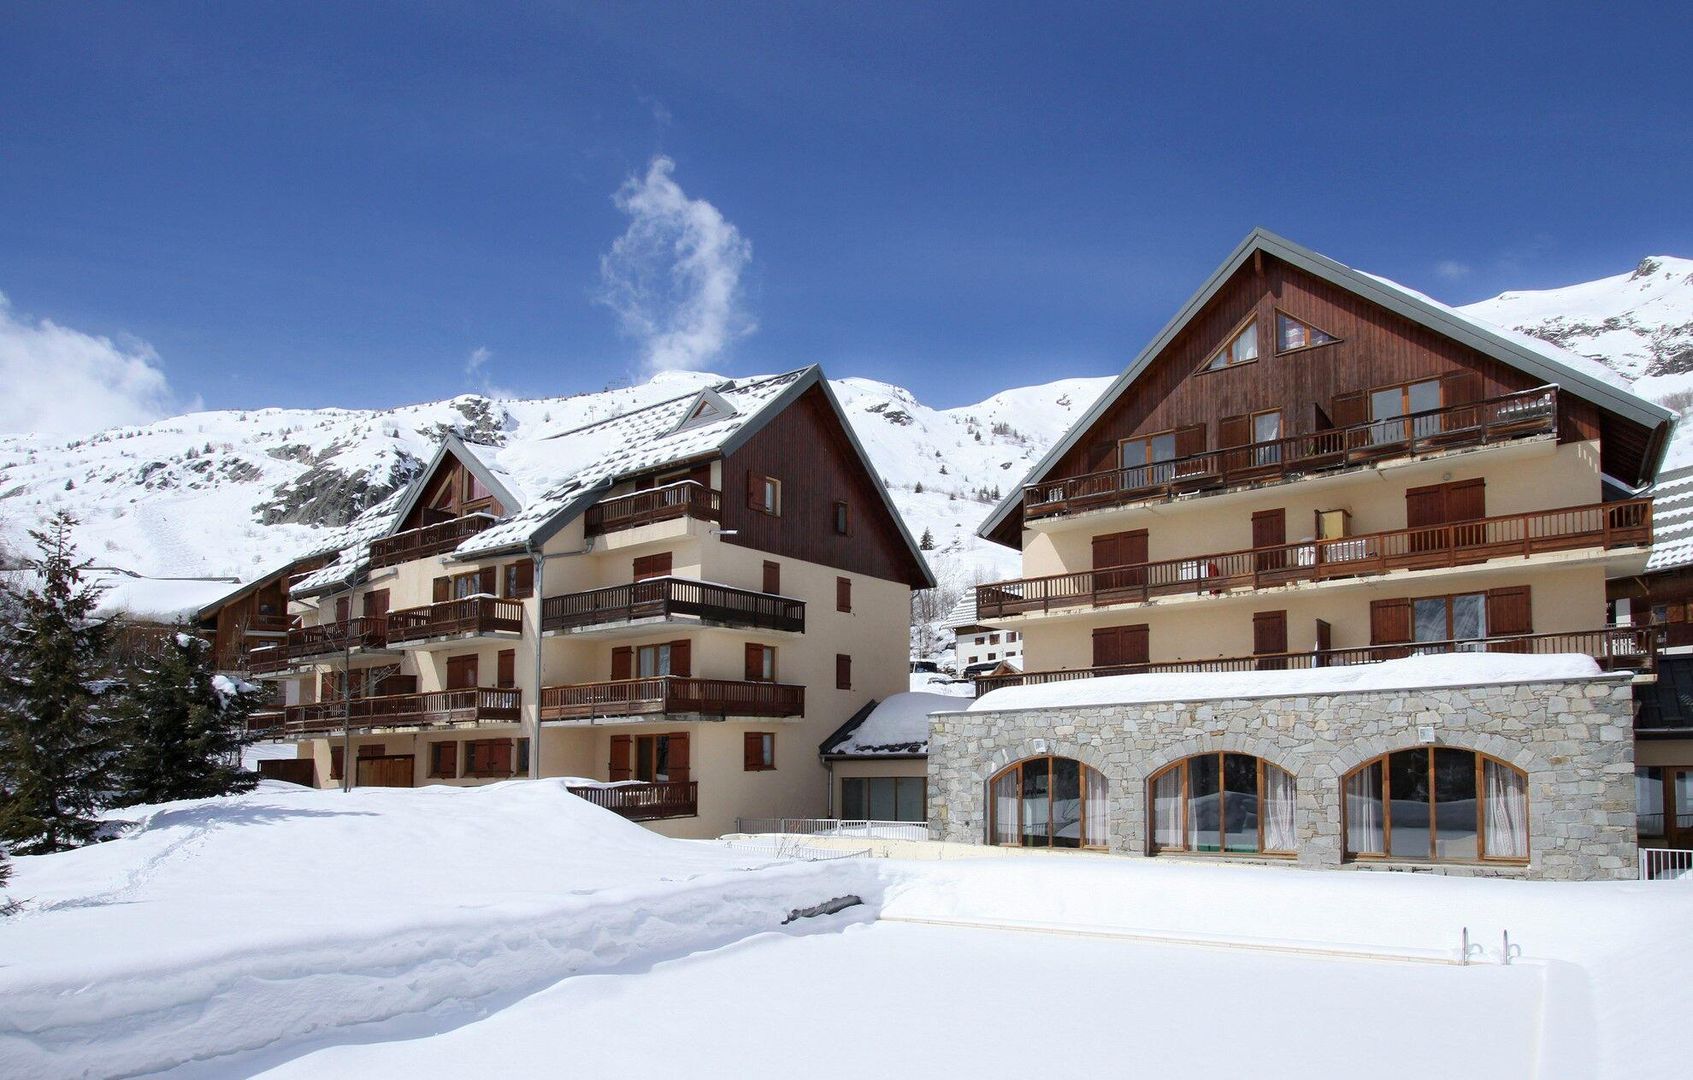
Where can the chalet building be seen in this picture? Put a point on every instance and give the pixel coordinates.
(1312, 467)
(979, 649)
(673, 605)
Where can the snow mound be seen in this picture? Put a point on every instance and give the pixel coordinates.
(1411, 673)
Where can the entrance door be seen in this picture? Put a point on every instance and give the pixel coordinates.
(389, 770)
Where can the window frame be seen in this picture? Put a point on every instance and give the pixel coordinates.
(1083, 772)
(764, 494)
(766, 759)
(841, 517)
(1450, 600)
(1150, 461)
(1227, 347)
(1278, 313)
(865, 782)
(436, 752)
(1386, 854)
(1261, 764)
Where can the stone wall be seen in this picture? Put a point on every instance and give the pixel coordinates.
(1574, 739)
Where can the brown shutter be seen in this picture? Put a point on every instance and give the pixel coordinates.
(679, 757)
(652, 566)
(843, 594)
(1116, 645)
(623, 662)
(1390, 621)
(1269, 632)
(843, 671)
(681, 658)
(752, 750)
(618, 769)
(500, 756)
(1508, 612)
(1137, 644)
(376, 604)
(506, 665)
(336, 760)
(1349, 410)
(1119, 549)
(462, 672)
(343, 608)
(520, 577)
(755, 662)
(1234, 431)
(1459, 388)
(755, 491)
(1425, 506)
(1269, 531)
(487, 580)
(1466, 500)
(772, 577)
(443, 589)
(1190, 440)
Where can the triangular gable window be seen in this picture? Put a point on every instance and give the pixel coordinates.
(1241, 349)
(1292, 334)
(708, 407)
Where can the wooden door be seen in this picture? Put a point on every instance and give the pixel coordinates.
(1269, 540)
(1390, 624)
(461, 672)
(389, 770)
(1269, 639)
(620, 752)
(623, 662)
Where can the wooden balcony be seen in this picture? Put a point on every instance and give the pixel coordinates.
(1619, 648)
(685, 499)
(646, 802)
(668, 598)
(473, 616)
(667, 694)
(1626, 523)
(432, 709)
(429, 540)
(1514, 416)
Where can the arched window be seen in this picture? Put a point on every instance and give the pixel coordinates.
(1227, 803)
(1437, 803)
(1048, 802)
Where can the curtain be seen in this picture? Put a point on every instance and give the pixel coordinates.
(1363, 812)
(1507, 811)
(1278, 809)
(1167, 809)
(1097, 810)
(1005, 808)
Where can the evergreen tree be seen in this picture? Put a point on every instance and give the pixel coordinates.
(183, 726)
(928, 541)
(55, 739)
(7, 907)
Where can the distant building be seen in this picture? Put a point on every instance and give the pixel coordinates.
(980, 649)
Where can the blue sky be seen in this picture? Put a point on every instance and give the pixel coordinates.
(270, 204)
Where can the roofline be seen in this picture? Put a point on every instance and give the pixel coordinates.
(923, 756)
(454, 445)
(1621, 402)
(208, 610)
(852, 724)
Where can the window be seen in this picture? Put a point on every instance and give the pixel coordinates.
(993, 656)
(1449, 618)
(652, 661)
(1242, 348)
(761, 663)
(1405, 400)
(1663, 797)
(759, 751)
(1048, 802)
(843, 594)
(1649, 801)
(1149, 450)
(487, 757)
(1293, 334)
(460, 586)
(1233, 804)
(993, 639)
(843, 671)
(1436, 803)
(843, 519)
(652, 758)
(520, 580)
(522, 768)
(884, 798)
(1010, 636)
(444, 759)
(764, 494)
(1267, 428)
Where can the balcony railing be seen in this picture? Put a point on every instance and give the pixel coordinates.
(668, 597)
(671, 694)
(405, 710)
(1607, 525)
(262, 623)
(685, 499)
(1500, 419)
(472, 616)
(428, 540)
(1631, 648)
(646, 802)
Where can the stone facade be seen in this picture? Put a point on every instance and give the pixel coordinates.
(1574, 739)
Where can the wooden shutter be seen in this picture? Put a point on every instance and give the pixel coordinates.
(520, 580)
(752, 751)
(487, 580)
(1269, 632)
(506, 664)
(843, 671)
(376, 604)
(755, 491)
(1466, 500)
(461, 672)
(1119, 549)
(336, 761)
(1117, 645)
(1390, 621)
(446, 759)
(1325, 641)
(772, 577)
(443, 589)
(1459, 388)
(343, 608)
(1349, 410)
(678, 757)
(623, 662)
(1509, 612)
(1234, 431)
(1425, 506)
(681, 658)
(1269, 530)
(843, 594)
(1190, 440)
(618, 769)
(652, 566)
(499, 757)
(755, 662)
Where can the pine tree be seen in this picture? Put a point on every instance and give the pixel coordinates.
(7, 907)
(918, 488)
(183, 726)
(928, 541)
(55, 738)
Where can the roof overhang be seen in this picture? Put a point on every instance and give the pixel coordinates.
(452, 444)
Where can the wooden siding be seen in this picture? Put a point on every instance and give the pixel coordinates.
(444, 498)
(806, 449)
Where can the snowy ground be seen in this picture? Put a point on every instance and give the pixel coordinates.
(514, 928)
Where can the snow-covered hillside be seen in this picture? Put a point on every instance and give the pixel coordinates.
(233, 493)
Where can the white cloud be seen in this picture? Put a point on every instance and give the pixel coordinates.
(1451, 269)
(61, 381)
(674, 276)
(481, 379)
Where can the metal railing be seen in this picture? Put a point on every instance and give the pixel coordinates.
(428, 540)
(475, 704)
(671, 694)
(472, 615)
(687, 498)
(1665, 864)
(1499, 419)
(667, 597)
(1614, 524)
(1615, 648)
(861, 829)
(645, 802)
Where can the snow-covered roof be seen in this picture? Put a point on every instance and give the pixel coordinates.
(897, 726)
(353, 542)
(1672, 521)
(963, 613)
(1411, 673)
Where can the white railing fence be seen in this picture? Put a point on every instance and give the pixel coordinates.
(880, 830)
(1663, 864)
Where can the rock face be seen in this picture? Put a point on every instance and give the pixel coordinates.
(327, 495)
(1574, 739)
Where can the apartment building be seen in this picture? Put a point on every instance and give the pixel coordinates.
(978, 649)
(1312, 467)
(672, 606)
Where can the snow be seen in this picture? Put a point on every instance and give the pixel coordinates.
(1412, 672)
(899, 724)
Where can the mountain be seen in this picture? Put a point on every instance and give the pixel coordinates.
(235, 493)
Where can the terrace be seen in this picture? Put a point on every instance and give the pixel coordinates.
(435, 539)
(686, 498)
(668, 598)
(437, 708)
(671, 695)
(471, 616)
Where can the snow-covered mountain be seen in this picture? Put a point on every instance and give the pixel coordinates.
(234, 493)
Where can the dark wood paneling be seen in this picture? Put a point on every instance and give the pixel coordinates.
(806, 449)
(444, 498)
